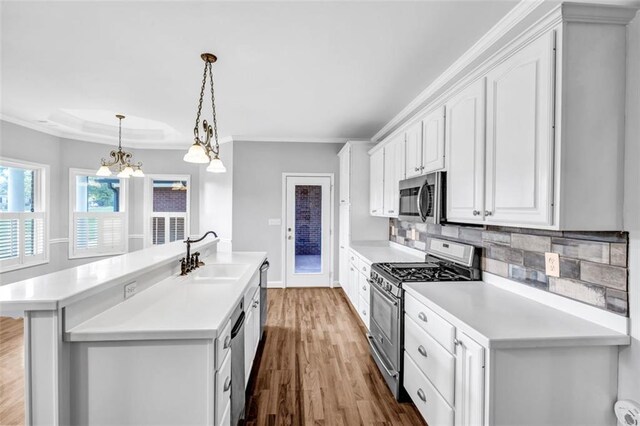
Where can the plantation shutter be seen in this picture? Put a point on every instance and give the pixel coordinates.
(168, 227)
(99, 233)
(22, 238)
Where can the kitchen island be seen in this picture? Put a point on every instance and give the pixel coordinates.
(128, 340)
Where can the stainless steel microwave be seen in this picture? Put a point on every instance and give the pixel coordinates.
(422, 198)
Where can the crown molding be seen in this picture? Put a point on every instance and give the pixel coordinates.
(597, 13)
(508, 22)
(241, 138)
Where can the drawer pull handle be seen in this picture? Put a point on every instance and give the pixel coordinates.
(422, 351)
(421, 395)
(422, 316)
(227, 342)
(364, 312)
(456, 342)
(476, 213)
(364, 268)
(227, 384)
(364, 287)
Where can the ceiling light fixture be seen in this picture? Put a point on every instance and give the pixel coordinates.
(202, 152)
(120, 160)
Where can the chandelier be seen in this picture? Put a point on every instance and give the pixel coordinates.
(202, 151)
(120, 160)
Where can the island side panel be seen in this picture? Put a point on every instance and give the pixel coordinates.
(555, 386)
(143, 382)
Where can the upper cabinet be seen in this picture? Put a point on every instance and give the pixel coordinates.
(345, 172)
(413, 157)
(465, 142)
(376, 183)
(394, 167)
(425, 145)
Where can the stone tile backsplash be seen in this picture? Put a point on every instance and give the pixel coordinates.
(593, 265)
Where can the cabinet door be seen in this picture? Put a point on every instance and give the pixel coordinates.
(469, 387)
(394, 166)
(413, 160)
(465, 146)
(519, 165)
(433, 141)
(256, 326)
(354, 281)
(345, 172)
(376, 182)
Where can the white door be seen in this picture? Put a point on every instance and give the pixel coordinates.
(376, 183)
(433, 142)
(469, 387)
(394, 165)
(519, 171)
(308, 231)
(465, 141)
(414, 150)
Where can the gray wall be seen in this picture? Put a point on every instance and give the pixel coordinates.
(21, 143)
(629, 369)
(257, 192)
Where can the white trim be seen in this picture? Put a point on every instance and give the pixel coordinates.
(287, 139)
(599, 316)
(58, 240)
(275, 284)
(283, 219)
(136, 236)
(510, 20)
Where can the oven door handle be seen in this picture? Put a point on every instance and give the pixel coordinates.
(372, 343)
(419, 202)
(386, 297)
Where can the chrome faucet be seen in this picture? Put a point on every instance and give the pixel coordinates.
(192, 261)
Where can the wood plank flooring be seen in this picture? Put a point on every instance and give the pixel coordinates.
(11, 371)
(315, 368)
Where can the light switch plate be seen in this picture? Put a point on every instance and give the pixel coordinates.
(130, 289)
(552, 264)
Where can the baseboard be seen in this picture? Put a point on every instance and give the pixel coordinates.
(275, 284)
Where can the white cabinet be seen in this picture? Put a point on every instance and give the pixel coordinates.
(469, 385)
(345, 170)
(413, 161)
(425, 144)
(251, 331)
(394, 168)
(376, 183)
(465, 146)
(519, 163)
(359, 287)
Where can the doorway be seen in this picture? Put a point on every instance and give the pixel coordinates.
(307, 234)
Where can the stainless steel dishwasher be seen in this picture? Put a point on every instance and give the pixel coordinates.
(237, 364)
(263, 296)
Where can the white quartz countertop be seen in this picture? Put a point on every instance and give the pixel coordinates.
(498, 318)
(175, 308)
(58, 289)
(384, 251)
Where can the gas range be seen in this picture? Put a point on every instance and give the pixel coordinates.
(445, 262)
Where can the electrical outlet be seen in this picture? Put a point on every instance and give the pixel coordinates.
(552, 264)
(130, 289)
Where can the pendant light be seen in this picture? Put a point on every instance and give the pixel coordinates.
(202, 151)
(120, 160)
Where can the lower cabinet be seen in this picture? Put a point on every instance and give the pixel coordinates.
(358, 286)
(251, 330)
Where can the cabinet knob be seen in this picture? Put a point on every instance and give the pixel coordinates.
(374, 211)
(421, 395)
(364, 287)
(422, 316)
(417, 169)
(227, 342)
(476, 213)
(421, 167)
(488, 212)
(352, 269)
(227, 384)
(364, 312)
(342, 201)
(390, 211)
(456, 342)
(422, 351)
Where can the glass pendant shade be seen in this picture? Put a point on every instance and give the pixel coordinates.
(138, 173)
(216, 166)
(103, 171)
(124, 174)
(196, 154)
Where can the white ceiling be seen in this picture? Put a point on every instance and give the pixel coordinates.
(286, 70)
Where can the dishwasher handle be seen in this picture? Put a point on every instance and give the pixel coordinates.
(238, 325)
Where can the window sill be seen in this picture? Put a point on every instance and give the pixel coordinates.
(23, 266)
(90, 255)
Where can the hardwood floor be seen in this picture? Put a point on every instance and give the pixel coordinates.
(316, 369)
(11, 372)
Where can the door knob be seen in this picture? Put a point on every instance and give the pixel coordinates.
(289, 237)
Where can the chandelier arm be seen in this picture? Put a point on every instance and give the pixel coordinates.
(204, 81)
(213, 107)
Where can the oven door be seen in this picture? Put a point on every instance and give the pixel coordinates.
(384, 327)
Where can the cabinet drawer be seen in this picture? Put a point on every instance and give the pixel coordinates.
(432, 359)
(353, 258)
(364, 267)
(223, 344)
(226, 416)
(363, 311)
(364, 287)
(443, 332)
(431, 405)
(223, 387)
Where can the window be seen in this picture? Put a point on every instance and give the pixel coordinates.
(23, 215)
(166, 208)
(98, 222)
